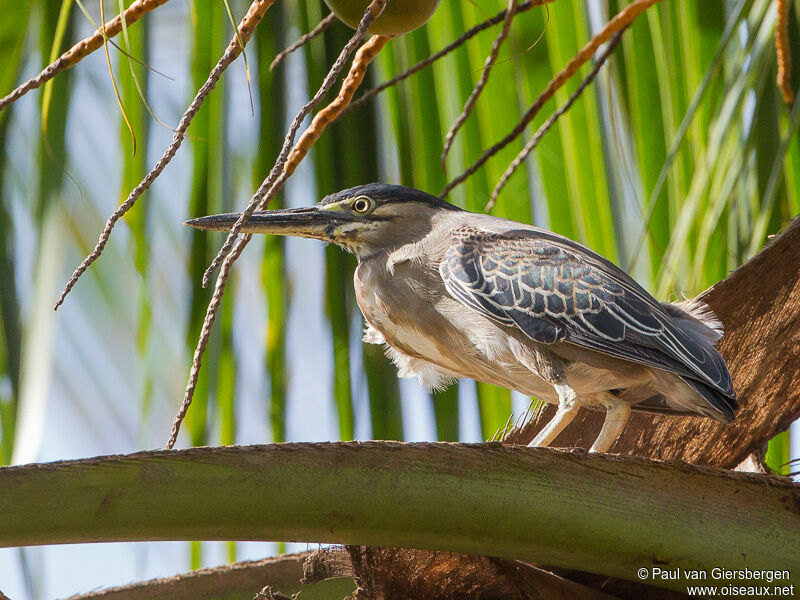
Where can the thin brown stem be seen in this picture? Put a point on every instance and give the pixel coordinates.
(234, 245)
(467, 35)
(624, 18)
(365, 55)
(246, 27)
(82, 49)
(534, 141)
(270, 186)
(783, 52)
(484, 79)
(318, 30)
(205, 334)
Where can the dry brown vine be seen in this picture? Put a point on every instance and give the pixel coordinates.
(82, 49)
(304, 39)
(365, 55)
(621, 20)
(245, 30)
(234, 245)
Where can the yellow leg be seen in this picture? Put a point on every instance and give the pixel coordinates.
(617, 415)
(567, 409)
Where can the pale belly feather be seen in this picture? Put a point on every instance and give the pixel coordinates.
(482, 351)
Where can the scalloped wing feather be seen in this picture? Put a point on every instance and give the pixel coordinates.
(555, 290)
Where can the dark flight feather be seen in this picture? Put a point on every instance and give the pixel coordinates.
(556, 290)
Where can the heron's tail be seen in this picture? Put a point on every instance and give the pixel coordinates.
(724, 407)
(699, 322)
(696, 318)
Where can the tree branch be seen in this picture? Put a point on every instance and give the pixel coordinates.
(604, 514)
(239, 580)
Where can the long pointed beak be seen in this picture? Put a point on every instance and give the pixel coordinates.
(299, 222)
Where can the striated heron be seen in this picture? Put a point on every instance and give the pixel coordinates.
(457, 294)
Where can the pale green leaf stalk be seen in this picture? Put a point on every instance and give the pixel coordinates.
(608, 515)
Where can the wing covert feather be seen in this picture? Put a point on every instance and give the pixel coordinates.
(555, 290)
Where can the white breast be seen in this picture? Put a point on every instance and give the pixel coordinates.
(430, 376)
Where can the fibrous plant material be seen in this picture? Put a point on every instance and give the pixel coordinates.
(783, 52)
(469, 105)
(304, 39)
(460, 41)
(365, 55)
(621, 20)
(233, 247)
(534, 141)
(245, 30)
(278, 175)
(82, 49)
(384, 573)
(238, 580)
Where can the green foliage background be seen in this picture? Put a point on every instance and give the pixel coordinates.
(677, 164)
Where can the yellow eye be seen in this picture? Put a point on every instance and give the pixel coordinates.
(363, 205)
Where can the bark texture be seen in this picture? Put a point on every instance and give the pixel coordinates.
(240, 581)
(423, 574)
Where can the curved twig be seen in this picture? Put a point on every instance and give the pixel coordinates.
(534, 141)
(205, 334)
(783, 52)
(469, 105)
(272, 183)
(82, 49)
(321, 27)
(624, 18)
(467, 35)
(245, 30)
(365, 55)
(234, 245)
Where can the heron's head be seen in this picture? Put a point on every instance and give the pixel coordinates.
(364, 219)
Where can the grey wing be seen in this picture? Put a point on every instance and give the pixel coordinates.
(555, 290)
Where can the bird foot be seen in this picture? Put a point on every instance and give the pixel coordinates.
(618, 414)
(567, 409)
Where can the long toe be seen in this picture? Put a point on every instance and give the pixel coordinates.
(618, 414)
(568, 406)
